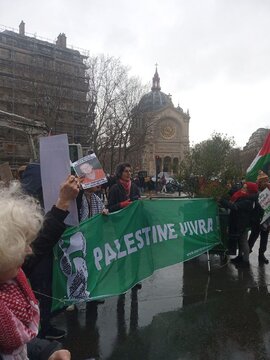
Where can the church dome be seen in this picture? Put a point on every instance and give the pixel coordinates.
(155, 99)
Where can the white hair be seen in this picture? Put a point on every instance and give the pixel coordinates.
(20, 221)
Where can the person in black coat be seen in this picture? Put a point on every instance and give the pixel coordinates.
(38, 268)
(52, 229)
(124, 191)
(241, 205)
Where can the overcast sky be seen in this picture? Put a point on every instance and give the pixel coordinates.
(213, 55)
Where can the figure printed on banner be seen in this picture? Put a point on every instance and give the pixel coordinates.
(90, 171)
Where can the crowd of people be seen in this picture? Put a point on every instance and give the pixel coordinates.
(27, 239)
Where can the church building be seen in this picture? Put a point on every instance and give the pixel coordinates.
(165, 129)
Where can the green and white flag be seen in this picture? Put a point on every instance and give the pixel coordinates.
(261, 161)
(107, 255)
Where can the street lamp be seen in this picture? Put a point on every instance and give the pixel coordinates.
(157, 158)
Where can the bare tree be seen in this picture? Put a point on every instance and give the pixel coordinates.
(105, 75)
(112, 102)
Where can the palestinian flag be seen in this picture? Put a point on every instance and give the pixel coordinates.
(261, 161)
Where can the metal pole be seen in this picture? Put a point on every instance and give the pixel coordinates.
(157, 157)
(32, 146)
(208, 261)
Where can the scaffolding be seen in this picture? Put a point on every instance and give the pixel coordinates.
(44, 81)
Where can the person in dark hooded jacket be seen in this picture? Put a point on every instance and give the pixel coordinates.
(241, 205)
(40, 273)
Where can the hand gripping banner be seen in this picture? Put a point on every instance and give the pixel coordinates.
(108, 254)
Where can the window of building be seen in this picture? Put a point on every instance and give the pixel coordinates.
(167, 164)
(4, 54)
(175, 165)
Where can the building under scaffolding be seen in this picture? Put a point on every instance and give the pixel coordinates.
(42, 81)
(30, 129)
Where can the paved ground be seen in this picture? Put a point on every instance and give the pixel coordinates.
(182, 312)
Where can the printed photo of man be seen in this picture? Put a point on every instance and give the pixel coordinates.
(90, 171)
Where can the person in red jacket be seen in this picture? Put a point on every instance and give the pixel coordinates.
(241, 205)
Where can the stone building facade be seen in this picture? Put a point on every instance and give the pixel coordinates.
(164, 129)
(41, 81)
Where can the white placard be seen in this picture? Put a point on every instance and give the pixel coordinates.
(264, 201)
(55, 168)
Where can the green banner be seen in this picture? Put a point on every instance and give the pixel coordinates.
(108, 254)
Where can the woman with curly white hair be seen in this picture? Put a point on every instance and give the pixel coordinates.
(20, 222)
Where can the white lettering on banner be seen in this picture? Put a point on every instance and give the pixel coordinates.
(197, 227)
(202, 227)
(129, 242)
(172, 234)
(183, 228)
(210, 224)
(145, 237)
(193, 227)
(98, 256)
(110, 255)
(146, 232)
(154, 234)
(120, 253)
(162, 233)
(194, 252)
(138, 237)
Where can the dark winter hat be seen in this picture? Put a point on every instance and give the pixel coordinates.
(31, 181)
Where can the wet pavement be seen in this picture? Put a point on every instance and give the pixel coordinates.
(180, 313)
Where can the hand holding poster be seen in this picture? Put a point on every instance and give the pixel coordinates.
(55, 167)
(90, 169)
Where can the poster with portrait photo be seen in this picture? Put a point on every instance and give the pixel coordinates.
(90, 171)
